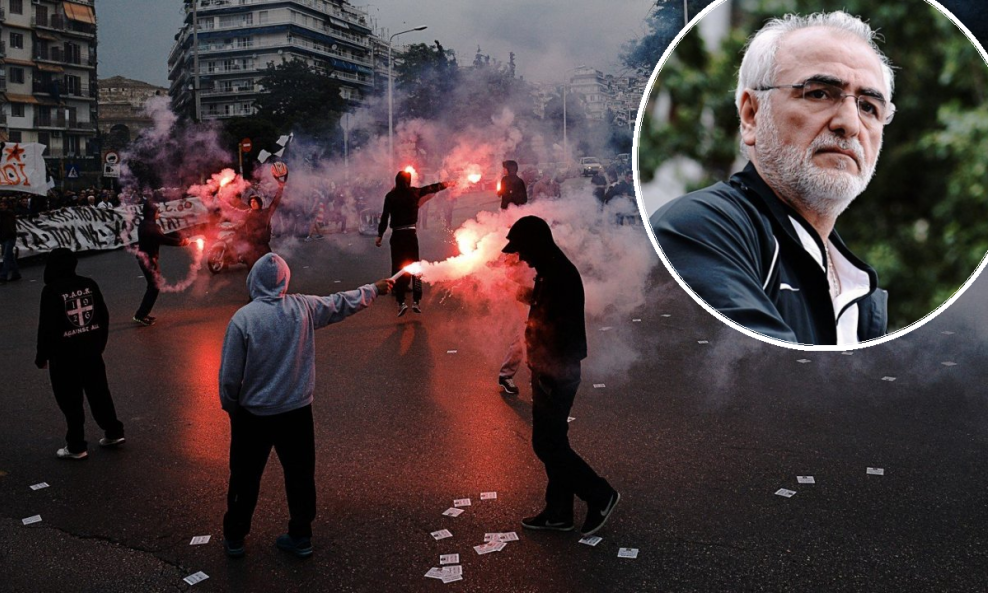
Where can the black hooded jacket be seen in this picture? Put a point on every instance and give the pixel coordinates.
(556, 331)
(149, 235)
(401, 205)
(74, 320)
(512, 191)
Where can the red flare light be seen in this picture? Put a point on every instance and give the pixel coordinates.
(415, 269)
(473, 178)
(227, 178)
(200, 243)
(498, 186)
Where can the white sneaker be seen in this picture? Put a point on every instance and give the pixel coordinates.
(64, 453)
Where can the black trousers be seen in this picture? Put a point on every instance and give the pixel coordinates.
(251, 439)
(149, 267)
(568, 473)
(70, 378)
(404, 251)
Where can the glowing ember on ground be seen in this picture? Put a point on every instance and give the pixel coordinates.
(473, 178)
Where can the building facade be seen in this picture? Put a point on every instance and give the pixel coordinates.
(239, 39)
(121, 109)
(48, 75)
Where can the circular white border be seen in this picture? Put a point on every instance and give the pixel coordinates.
(655, 244)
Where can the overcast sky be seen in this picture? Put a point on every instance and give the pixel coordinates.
(547, 36)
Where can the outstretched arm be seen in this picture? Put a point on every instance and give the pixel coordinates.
(426, 193)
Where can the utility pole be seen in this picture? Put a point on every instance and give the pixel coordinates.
(195, 59)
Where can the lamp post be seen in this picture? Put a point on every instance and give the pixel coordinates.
(391, 86)
(686, 14)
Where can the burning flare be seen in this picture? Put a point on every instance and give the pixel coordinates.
(227, 177)
(200, 243)
(473, 177)
(415, 268)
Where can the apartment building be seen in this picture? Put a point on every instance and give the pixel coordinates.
(48, 75)
(238, 39)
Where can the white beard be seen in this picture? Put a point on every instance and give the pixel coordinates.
(794, 175)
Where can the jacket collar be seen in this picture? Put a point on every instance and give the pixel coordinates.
(762, 196)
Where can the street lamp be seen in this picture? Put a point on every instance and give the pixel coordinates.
(391, 87)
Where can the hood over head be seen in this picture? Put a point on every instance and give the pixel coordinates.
(268, 279)
(61, 264)
(150, 208)
(403, 179)
(511, 167)
(530, 235)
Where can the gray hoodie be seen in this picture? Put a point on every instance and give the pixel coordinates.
(268, 362)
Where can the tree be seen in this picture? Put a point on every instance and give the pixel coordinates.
(664, 22)
(300, 96)
(425, 78)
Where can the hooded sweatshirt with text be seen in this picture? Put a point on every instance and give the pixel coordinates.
(268, 364)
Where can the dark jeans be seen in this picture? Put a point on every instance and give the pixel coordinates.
(70, 377)
(404, 251)
(150, 271)
(9, 261)
(251, 438)
(568, 473)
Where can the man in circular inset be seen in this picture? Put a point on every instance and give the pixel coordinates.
(814, 96)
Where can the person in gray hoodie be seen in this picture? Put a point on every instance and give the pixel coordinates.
(267, 377)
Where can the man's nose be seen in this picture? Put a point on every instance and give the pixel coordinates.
(846, 121)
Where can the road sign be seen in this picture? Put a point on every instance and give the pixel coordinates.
(111, 157)
(71, 171)
(111, 170)
(245, 145)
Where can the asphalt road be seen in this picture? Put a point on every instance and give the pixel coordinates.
(698, 437)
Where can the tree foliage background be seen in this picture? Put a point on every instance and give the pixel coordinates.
(923, 221)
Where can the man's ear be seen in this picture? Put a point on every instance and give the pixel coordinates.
(748, 112)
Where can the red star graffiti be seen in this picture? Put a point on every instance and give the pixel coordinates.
(14, 153)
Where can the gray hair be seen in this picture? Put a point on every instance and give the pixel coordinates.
(759, 68)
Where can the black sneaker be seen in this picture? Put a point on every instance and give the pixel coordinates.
(416, 308)
(301, 547)
(508, 385)
(546, 522)
(234, 548)
(145, 321)
(108, 442)
(597, 516)
(402, 309)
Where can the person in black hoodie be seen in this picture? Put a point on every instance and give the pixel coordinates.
(401, 208)
(72, 333)
(257, 225)
(511, 190)
(8, 240)
(556, 342)
(149, 242)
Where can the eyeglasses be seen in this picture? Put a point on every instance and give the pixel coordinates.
(819, 95)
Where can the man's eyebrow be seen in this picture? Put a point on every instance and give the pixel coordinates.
(830, 79)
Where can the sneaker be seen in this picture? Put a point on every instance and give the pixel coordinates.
(508, 385)
(402, 309)
(108, 442)
(145, 321)
(64, 453)
(416, 308)
(597, 516)
(301, 547)
(546, 522)
(234, 548)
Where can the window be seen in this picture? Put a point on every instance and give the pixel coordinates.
(262, 17)
(73, 145)
(206, 24)
(16, 110)
(16, 6)
(45, 138)
(16, 40)
(14, 135)
(16, 75)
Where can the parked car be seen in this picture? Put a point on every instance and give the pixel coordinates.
(590, 165)
(623, 160)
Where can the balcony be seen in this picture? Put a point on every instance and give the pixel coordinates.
(82, 125)
(232, 90)
(48, 121)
